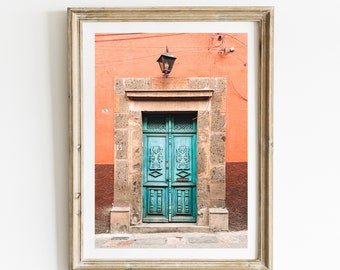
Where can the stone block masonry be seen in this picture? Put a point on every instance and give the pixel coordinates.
(206, 97)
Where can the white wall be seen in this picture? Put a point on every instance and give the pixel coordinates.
(34, 133)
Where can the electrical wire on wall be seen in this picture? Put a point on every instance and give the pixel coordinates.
(216, 44)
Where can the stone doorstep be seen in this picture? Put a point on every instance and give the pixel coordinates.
(120, 222)
(167, 227)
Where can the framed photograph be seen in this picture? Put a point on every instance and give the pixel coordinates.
(170, 137)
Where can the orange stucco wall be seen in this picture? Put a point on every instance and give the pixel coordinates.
(198, 55)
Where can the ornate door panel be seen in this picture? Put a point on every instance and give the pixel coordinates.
(183, 184)
(169, 168)
(155, 182)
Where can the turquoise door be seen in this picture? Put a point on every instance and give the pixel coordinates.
(169, 168)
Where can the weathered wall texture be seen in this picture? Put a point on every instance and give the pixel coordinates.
(103, 196)
(236, 195)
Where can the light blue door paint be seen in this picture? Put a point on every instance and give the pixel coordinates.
(169, 168)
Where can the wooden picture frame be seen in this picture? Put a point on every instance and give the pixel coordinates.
(83, 23)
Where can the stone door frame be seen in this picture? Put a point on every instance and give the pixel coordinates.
(207, 97)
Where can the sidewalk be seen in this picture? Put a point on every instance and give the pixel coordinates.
(174, 240)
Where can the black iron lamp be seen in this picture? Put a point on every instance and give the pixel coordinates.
(166, 62)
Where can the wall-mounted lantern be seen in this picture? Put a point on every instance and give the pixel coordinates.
(166, 62)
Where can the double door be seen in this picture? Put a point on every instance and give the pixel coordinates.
(169, 167)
